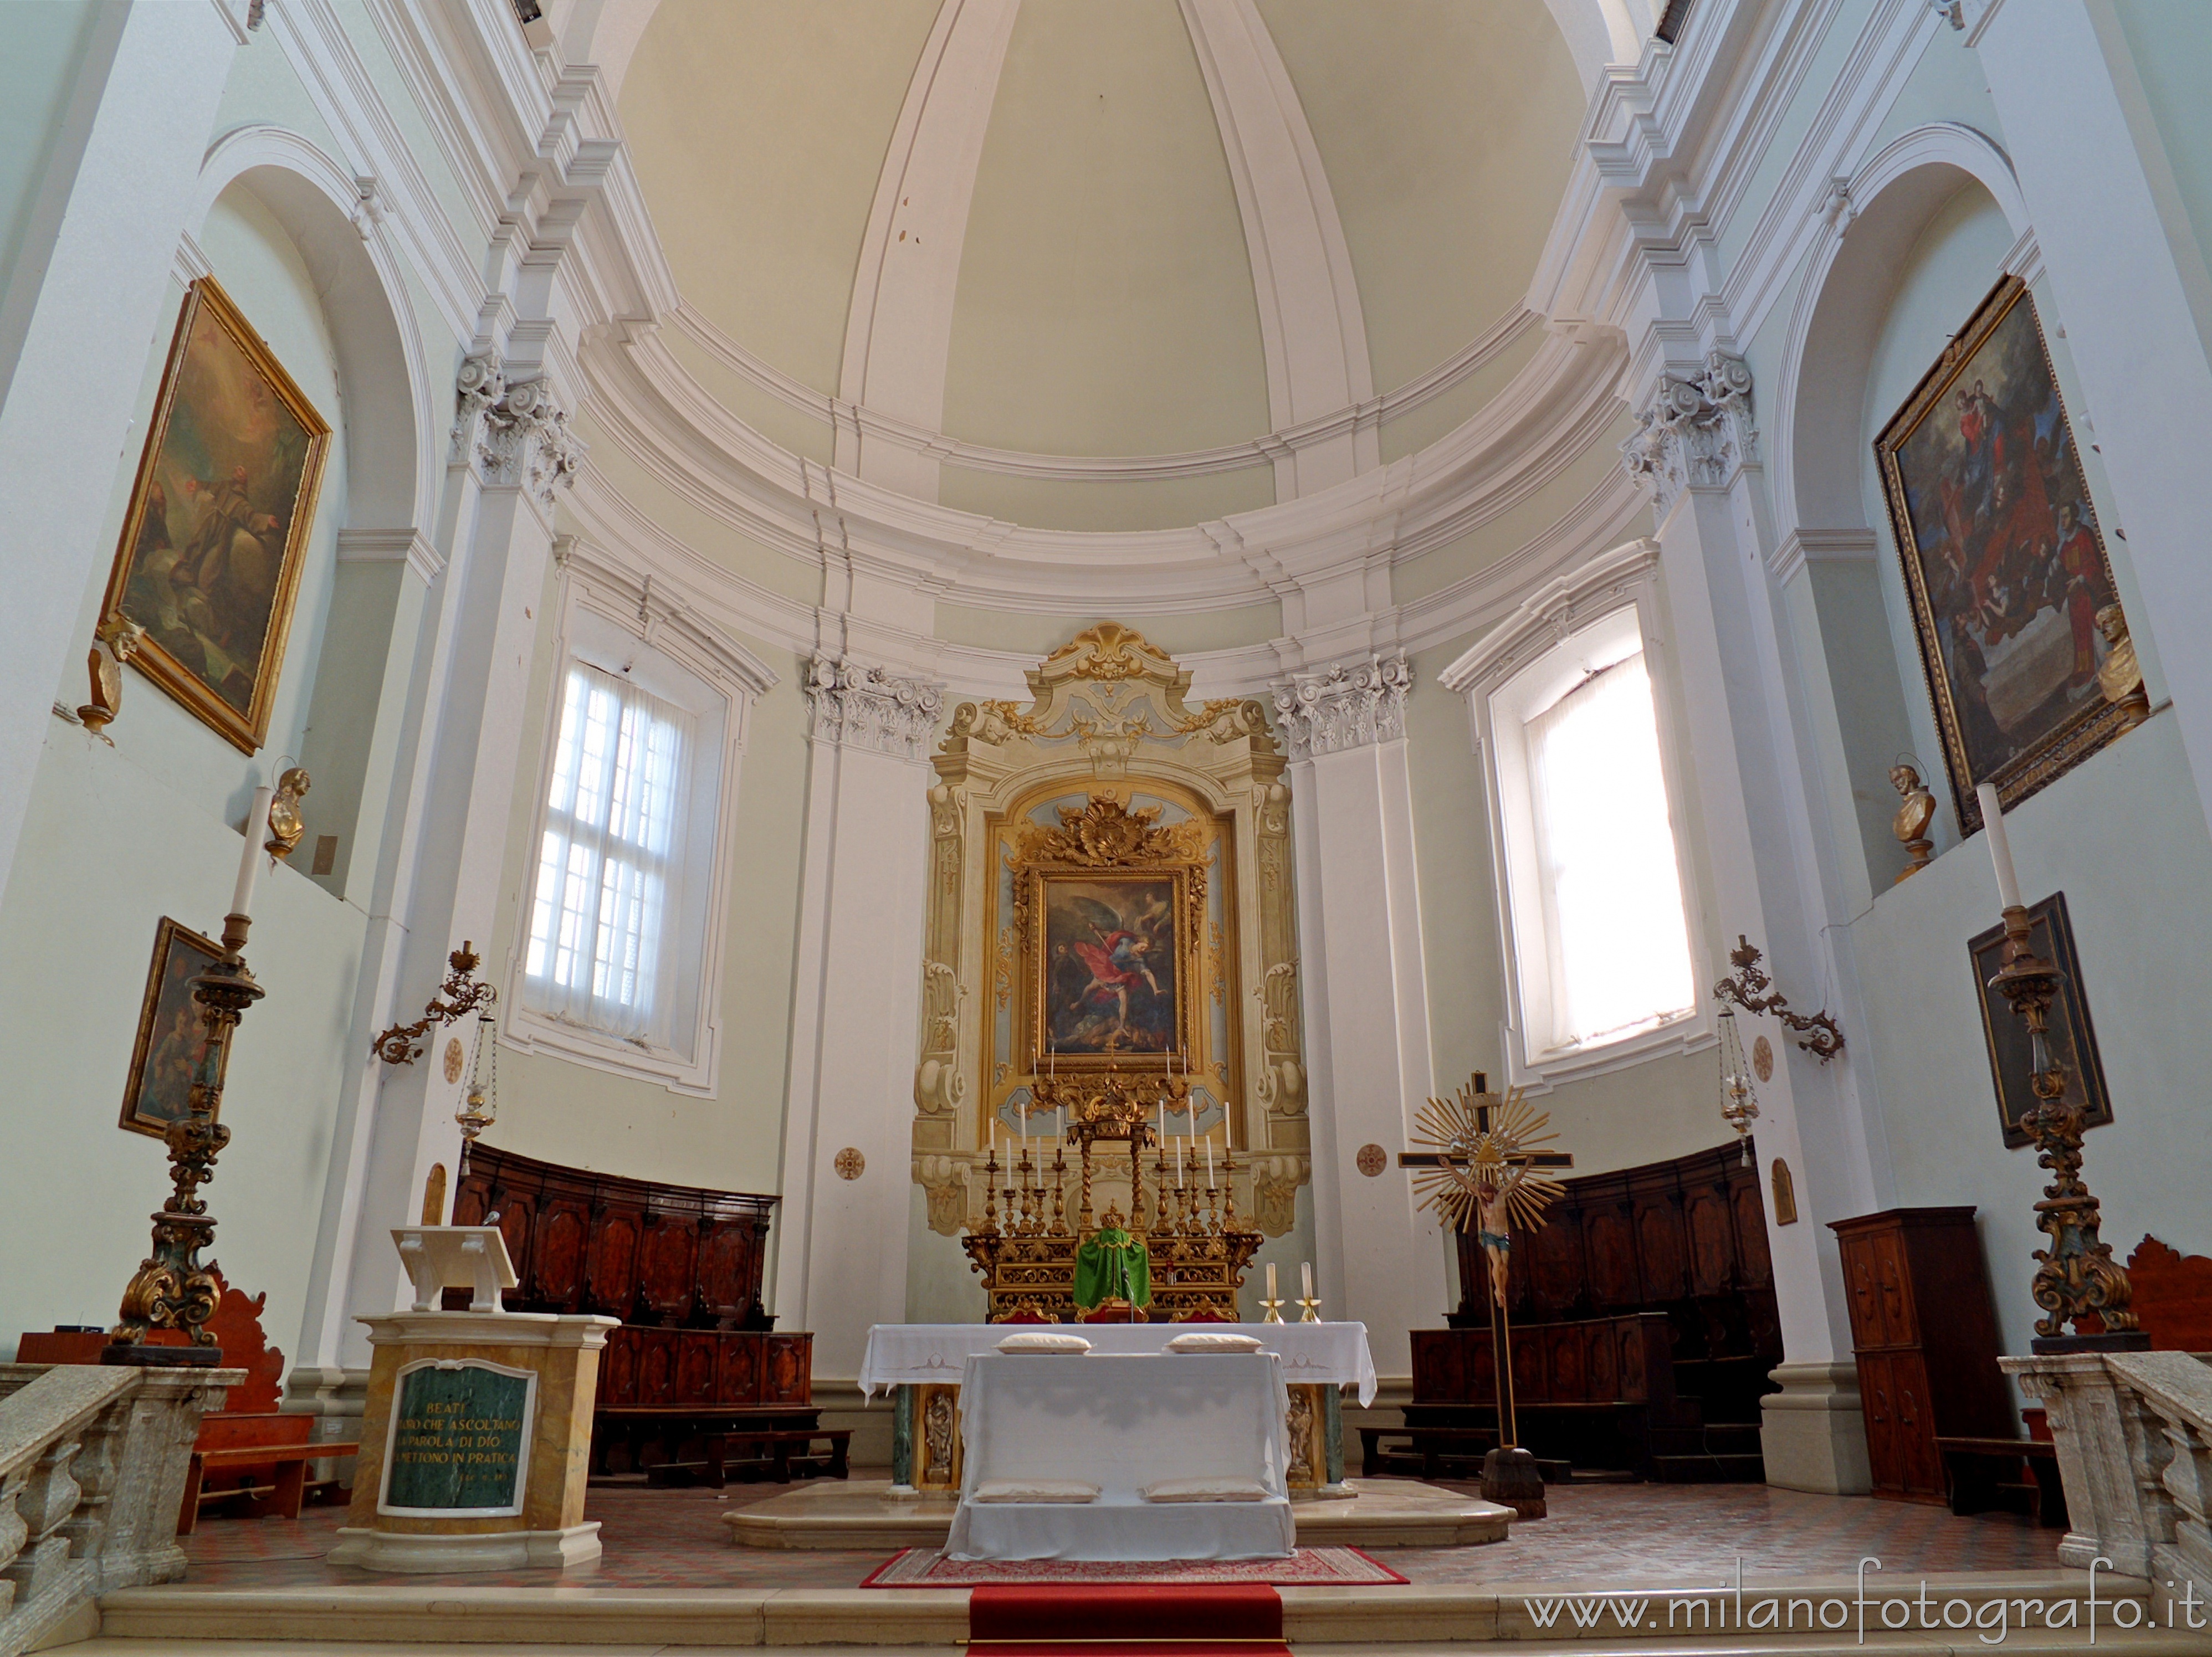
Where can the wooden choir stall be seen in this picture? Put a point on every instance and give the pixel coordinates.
(697, 1382)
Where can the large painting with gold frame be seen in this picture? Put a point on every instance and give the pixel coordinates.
(1110, 981)
(171, 1037)
(208, 564)
(2003, 559)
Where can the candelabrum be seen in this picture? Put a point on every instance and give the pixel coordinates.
(1025, 1249)
(2076, 1277)
(173, 1290)
(1817, 1033)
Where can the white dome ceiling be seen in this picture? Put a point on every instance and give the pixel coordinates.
(1090, 266)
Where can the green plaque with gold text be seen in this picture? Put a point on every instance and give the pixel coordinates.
(461, 1439)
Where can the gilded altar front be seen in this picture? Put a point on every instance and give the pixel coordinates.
(1111, 895)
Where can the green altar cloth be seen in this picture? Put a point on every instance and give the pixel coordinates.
(1112, 1265)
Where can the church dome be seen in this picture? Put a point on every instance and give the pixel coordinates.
(1091, 266)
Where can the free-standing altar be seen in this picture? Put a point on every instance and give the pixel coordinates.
(923, 1363)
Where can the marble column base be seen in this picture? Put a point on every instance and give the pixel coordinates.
(392, 1551)
(1813, 1432)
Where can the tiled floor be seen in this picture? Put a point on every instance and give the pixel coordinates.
(1615, 1535)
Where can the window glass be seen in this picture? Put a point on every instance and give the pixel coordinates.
(1617, 942)
(610, 865)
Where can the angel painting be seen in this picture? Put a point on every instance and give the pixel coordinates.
(1108, 986)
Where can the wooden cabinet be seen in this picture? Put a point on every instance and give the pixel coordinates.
(1924, 1332)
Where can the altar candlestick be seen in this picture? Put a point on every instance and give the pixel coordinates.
(249, 868)
(1305, 1277)
(2000, 847)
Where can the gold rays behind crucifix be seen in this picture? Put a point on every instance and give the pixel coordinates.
(1482, 1147)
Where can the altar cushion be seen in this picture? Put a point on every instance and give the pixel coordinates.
(1035, 1490)
(1205, 1489)
(1043, 1341)
(1206, 1341)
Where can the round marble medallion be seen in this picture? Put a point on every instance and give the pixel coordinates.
(1762, 1058)
(849, 1163)
(1371, 1161)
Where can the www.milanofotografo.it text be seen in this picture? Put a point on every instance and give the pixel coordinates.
(1872, 1610)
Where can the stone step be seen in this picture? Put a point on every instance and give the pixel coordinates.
(1677, 1620)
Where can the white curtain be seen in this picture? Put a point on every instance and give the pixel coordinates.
(603, 919)
(1618, 946)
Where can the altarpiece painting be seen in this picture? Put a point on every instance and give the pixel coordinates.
(212, 542)
(2004, 560)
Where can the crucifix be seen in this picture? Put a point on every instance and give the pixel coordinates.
(1487, 1166)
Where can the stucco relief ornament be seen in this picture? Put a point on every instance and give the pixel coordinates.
(513, 430)
(1350, 705)
(1695, 432)
(858, 706)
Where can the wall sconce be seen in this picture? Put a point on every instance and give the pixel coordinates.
(1817, 1034)
(403, 1043)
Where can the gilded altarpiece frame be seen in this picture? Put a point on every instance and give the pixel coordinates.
(1111, 815)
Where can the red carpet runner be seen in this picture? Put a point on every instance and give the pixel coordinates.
(1227, 1619)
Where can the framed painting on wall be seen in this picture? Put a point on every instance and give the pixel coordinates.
(171, 1037)
(2071, 1039)
(2004, 561)
(1110, 977)
(209, 563)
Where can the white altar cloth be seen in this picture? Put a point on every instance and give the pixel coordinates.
(1122, 1421)
(1313, 1354)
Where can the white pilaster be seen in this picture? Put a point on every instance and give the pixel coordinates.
(512, 448)
(1698, 449)
(842, 1247)
(2091, 170)
(1366, 996)
(80, 308)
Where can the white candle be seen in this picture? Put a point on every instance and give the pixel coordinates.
(1163, 1119)
(995, 1139)
(2000, 847)
(1209, 1168)
(1178, 1163)
(1271, 1280)
(1305, 1277)
(249, 866)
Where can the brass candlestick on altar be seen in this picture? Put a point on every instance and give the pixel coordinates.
(1195, 1246)
(171, 1289)
(2077, 1276)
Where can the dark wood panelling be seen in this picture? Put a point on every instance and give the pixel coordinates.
(655, 1255)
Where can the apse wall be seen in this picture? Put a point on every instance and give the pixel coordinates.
(565, 1111)
(120, 837)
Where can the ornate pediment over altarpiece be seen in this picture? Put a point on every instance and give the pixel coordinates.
(1110, 889)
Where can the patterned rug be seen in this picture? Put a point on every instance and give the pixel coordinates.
(1306, 1568)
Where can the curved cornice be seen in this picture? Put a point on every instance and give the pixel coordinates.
(650, 407)
(855, 420)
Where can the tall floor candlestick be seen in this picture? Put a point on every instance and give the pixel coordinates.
(172, 1290)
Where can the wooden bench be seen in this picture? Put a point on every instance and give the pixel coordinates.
(1982, 1471)
(247, 1445)
(688, 1438)
(780, 1454)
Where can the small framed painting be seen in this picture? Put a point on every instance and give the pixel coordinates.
(2071, 1038)
(2004, 560)
(171, 1037)
(210, 559)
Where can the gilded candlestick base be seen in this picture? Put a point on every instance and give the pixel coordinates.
(172, 1290)
(1273, 1308)
(1312, 1312)
(2076, 1277)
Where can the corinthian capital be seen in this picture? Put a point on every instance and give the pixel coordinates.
(1695, 432)
(1349, 705)
(857, 706)
(513, 431)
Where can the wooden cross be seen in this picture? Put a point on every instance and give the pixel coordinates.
(1483, 1103)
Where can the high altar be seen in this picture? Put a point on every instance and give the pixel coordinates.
(1110, 955)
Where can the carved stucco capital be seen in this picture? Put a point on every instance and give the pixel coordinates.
(855, 704)
(513, 432)
(1694, 432)
(1350, 705)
